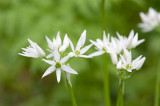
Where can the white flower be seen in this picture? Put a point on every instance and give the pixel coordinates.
(119, 65)
(126, 62)
(150, 20)
(123, 40)
(78, 52)
(57, 43)
(58, 64)
(101, 46)
(114, 58)
(130, 42)
(116, 47)
(32, 51)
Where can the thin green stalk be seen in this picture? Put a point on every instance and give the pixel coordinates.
(157, 89)
(106, 81)
(71, 94)
(120, 93)
(103, 14)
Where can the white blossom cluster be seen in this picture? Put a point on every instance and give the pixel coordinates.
(57, 58)
(149, 20)
(116, 46)
(59, 61)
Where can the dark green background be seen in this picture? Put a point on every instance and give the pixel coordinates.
(20, 77)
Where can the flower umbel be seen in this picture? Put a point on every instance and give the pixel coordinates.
(57, 49)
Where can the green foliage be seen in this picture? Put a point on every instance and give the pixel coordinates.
(20, 77)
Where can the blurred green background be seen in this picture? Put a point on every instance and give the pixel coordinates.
(20, 77)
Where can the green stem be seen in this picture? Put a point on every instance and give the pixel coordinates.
(106, 81)
(157, 89)
(103, 14)
(71, 94)
(120, 93)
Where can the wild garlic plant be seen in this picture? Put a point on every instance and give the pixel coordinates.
(151, 22)
(56, 58)
(119, 50)
(111, 45)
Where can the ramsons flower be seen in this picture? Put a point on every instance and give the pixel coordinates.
(78, 52)
(57, 43)
(33, 50)
(149, 20)
(130, 42)
(116, 46)
(58, 64)
(101, 46)
(128, 64)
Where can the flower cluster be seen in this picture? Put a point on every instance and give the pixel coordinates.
(112, 45)
(116, 46)
(59, 61)
(150, 20)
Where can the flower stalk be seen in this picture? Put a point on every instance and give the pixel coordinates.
(71, 93)
(120, 92)
(105, 70)
(106, 81)
(157, 88)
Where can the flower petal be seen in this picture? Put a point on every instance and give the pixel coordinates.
(97, 53)
(85, 56)
(64, 59)
(141, 62)
(31, 43)
(68, 78)
(68, 69)
(104, 38)
(81, 40)
(58, 73)
(48, 71)
(114, 58)
(71, 44)
(56, 55)
(49, 62)
(119, 65)
(130, 38)
(65, 43)
(50, 55)
(82, 51)
(50, 43)
(127, 55)
(40, 51)
(123, 60)
(58, 39)
(96, 44)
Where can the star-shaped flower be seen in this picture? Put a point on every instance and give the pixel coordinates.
(32, 51)
(101, 46)
(150, 20)
(58, 64)
(130, 42)
(126, 62)
(78, 52)
(57, 43)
